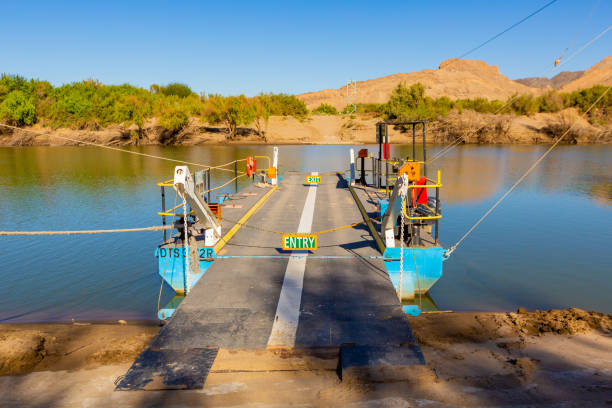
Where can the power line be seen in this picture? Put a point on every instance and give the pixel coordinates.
(508, 29)
(458, 140)
(85, 142)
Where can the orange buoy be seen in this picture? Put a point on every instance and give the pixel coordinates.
(250, 166)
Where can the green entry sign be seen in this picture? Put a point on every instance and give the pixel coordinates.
(313, 179)
(302, 242)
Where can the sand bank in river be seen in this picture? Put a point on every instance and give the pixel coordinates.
(473, 359)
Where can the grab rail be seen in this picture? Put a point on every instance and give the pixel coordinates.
(437, 186)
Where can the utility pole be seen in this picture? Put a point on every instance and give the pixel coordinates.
(351, 96)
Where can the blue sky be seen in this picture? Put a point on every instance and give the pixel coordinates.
(233, 47)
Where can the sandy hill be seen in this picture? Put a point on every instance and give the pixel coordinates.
(454, 78)
(598, 74)
(556, 82)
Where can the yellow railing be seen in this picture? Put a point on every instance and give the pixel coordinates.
(167, 183)
(171, 214)
(437, 184)
(265, 157)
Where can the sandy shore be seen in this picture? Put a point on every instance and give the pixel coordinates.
(553, 358)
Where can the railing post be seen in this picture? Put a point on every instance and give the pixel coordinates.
(352, 155)
(424, 151)
(387, 157)
(236, 176)
(437, 206)
(275, 165)
(413, 142)
(208, 183)
(163, 203)
(373, 170)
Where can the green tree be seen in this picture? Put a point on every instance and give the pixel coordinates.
(287, 105)
(232, 111)
(408, 104)
(18, 109)
(178, 89)
(524, 104)
(325, 109)
(173, 115)
(261, 107)
(551, 101)
(133, 109)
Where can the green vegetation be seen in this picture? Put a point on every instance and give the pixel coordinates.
(231, 111)
(18, 109)
(411, 104)
(175, 88)
(324, 109)
(91, 104)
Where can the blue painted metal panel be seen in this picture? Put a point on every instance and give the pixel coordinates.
(426, 263)
(171, 265)
(167, 311)
(411, 310)
(382, 207)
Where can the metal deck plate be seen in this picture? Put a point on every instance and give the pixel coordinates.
(381, 363)
(169, 369)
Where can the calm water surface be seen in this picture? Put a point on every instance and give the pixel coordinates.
(546, 246)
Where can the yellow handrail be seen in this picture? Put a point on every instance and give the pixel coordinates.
(224, 184)
(167, 183)
(169, 214)
(431, 217)
(174, 208)
(265, 157)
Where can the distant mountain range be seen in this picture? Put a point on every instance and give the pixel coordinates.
(458, 79)
(555, 82)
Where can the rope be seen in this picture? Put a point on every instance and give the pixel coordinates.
(597, 37)
(579, 30)
(82, 232)
(111, 147)
(225, 184)
(533, 166)
(187, 255)
(402, 222)
(326, 231)
(508, 29)
(161, 285)
(303, 256)
(455, 143)
(226, 164)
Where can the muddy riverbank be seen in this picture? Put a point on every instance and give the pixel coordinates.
(473, 359)
(470, 126)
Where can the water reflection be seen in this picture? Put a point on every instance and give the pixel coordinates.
(424, 301)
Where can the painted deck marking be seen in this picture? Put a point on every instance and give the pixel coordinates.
(287, 315)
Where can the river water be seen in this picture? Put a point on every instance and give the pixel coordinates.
(547, 246)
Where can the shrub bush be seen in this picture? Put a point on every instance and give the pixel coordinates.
(324, 109)
(91, 104)
(18, 109)
(177, 89)
(173, 115)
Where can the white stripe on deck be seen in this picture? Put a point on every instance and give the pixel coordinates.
(287, 316)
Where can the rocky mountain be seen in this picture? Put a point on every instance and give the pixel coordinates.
(458, 78)
(454, 78)
(598, 74)
(556, 82)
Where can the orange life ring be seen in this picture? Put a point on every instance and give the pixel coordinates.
(250, 166)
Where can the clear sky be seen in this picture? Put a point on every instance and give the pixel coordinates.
(233, 47)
